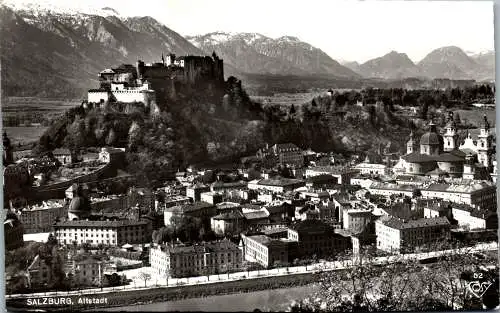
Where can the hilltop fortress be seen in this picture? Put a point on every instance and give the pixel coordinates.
(143, 84)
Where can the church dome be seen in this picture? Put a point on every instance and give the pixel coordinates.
(431, 137)
(79, 204)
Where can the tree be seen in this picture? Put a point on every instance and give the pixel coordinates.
(111, 138)
(144, 276)
(456, 118)
(424, 110)
(75, 138)
(402, 285)
(134, 136)
(417, 193)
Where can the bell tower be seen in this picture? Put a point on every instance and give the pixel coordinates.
(484, 144)
(412, 144)
(450, 136)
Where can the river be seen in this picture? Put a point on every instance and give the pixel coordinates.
(267, 300)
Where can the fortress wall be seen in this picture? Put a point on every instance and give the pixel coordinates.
(128, 96)
(106, 169)
(96, 96)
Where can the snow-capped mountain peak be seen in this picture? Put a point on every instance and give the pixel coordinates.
(42, 7)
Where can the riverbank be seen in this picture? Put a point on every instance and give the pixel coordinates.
(162, 294)
(272, 300)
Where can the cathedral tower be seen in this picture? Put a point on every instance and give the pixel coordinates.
(484, 145)
(450, 136)
(412, 144)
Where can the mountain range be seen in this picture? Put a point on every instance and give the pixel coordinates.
(51, 53)
(258, 54)
(445, 62)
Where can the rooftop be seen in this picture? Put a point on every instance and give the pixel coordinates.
(191, 207)
(256, 215)
(268, 241)
(311, 226)
(336, 170)
(394, 222)
(206, 247)
(102, 224)
(61, 151)
(280, 182)
(233, 215)
(322, 178)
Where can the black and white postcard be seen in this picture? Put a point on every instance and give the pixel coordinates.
(258, 156)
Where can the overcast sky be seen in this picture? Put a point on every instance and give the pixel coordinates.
(344, 29)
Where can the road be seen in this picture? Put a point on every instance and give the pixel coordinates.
(156, 281)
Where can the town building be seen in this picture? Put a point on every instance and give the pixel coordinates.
(356, 219)
(266, 196)
(40, 218)
(388, 189)
(220, 186)
(278, 185)
(225, 207)
(342, 173)
(196, 209)
(177, 260)
(228, 223)
(285, 154)
(279, 211)
(399, 236)
(321, 182)
(174, 200)
(107, 233)
(63, 155)
(256, 218)
(89, 269)
(194, 192)
(307, 212)
(212, 197)
(112, 155)
(473, 218)
(267, 251)
(475, 193)
(366, 167)
(318, 238)
(112, 203)
(143, 198)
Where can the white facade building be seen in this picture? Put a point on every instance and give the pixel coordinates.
(108, 233)
(395, 235)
